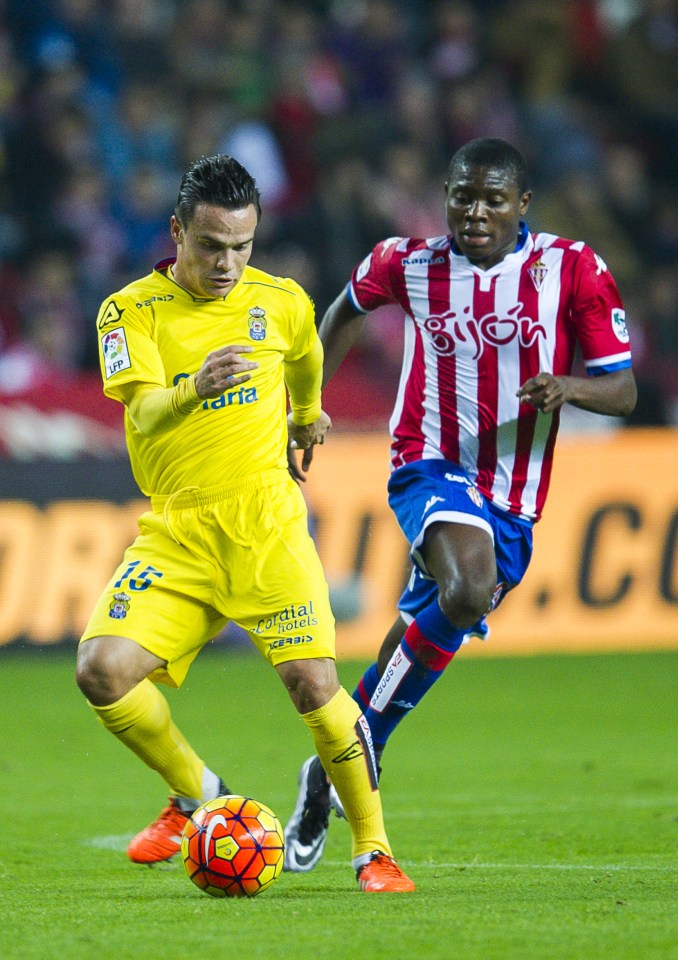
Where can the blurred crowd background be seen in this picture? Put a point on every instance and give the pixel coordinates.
(347, 112)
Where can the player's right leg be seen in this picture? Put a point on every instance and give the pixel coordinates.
(158, 596)
(113, 672)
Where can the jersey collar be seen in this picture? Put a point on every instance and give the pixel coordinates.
(162, 268)
(523, 243)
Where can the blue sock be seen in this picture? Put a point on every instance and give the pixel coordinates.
(429, 644)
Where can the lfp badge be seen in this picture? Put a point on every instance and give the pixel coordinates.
(257, 323)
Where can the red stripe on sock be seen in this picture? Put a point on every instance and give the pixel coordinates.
(430, 654)
(362, 693)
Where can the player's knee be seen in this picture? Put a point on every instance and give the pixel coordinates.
(465, 601)
(97, 672)
(310, 683)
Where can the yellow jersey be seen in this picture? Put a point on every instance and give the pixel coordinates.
(155, 332)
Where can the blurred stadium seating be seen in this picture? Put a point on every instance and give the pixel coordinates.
(347, 112)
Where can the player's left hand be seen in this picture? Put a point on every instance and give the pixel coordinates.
(545, 392)
(305, 438)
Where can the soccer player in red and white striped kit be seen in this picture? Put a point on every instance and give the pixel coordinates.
(493, 315)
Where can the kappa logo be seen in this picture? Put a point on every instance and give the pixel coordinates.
(601, 266)
(431, 502)
(418, 261)
(350, 753)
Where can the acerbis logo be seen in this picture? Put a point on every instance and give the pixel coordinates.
(152, 300)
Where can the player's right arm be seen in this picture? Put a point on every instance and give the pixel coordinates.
(153, 409)
(339, 329)
(343, 322)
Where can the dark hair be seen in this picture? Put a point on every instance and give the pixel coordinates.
(494, 153)
(218, 180)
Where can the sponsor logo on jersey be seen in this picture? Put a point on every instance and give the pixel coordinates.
(619, 325)
(257, 323)
(413, 261)
(232, 398)
(451, 333)
(147, 303)
(119, 606)
(116, 354)
(112, 314)
(290, 619)
(538, 272)
(291, 641)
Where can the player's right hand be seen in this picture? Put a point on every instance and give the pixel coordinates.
(224, 369)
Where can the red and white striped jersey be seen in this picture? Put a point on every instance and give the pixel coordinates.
(473, 336)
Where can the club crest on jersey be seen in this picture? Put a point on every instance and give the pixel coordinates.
(257, 323)
(475, 495)
(619, 326)
(537, 273)
(119, 606)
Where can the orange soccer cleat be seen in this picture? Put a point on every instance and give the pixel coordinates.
(381, 874)
(161, 839)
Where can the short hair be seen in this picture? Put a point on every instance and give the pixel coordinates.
(219, 180)
(495, 153)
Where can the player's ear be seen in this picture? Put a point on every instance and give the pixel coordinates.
(525, 201)
(176, 230)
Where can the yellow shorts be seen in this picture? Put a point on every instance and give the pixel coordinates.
(239, 552)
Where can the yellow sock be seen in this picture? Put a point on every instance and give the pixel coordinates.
(141, 720)
(342, 742)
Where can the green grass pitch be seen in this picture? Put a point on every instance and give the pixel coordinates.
(533, 801)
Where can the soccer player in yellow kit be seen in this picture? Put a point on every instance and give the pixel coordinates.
(202, 353)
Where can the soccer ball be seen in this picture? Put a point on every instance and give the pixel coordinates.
(233, 847)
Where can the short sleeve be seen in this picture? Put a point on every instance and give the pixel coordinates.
(370, 284)
(127, 351)
(598, 316)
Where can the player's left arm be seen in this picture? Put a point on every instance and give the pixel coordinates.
(613, 394)
(307, 423)
(599, 322)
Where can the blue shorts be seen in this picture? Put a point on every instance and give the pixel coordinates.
(434, 491)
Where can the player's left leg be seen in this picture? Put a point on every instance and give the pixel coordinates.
(456, 563)
(343, 744)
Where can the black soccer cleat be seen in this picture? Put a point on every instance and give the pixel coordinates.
(306, 831)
